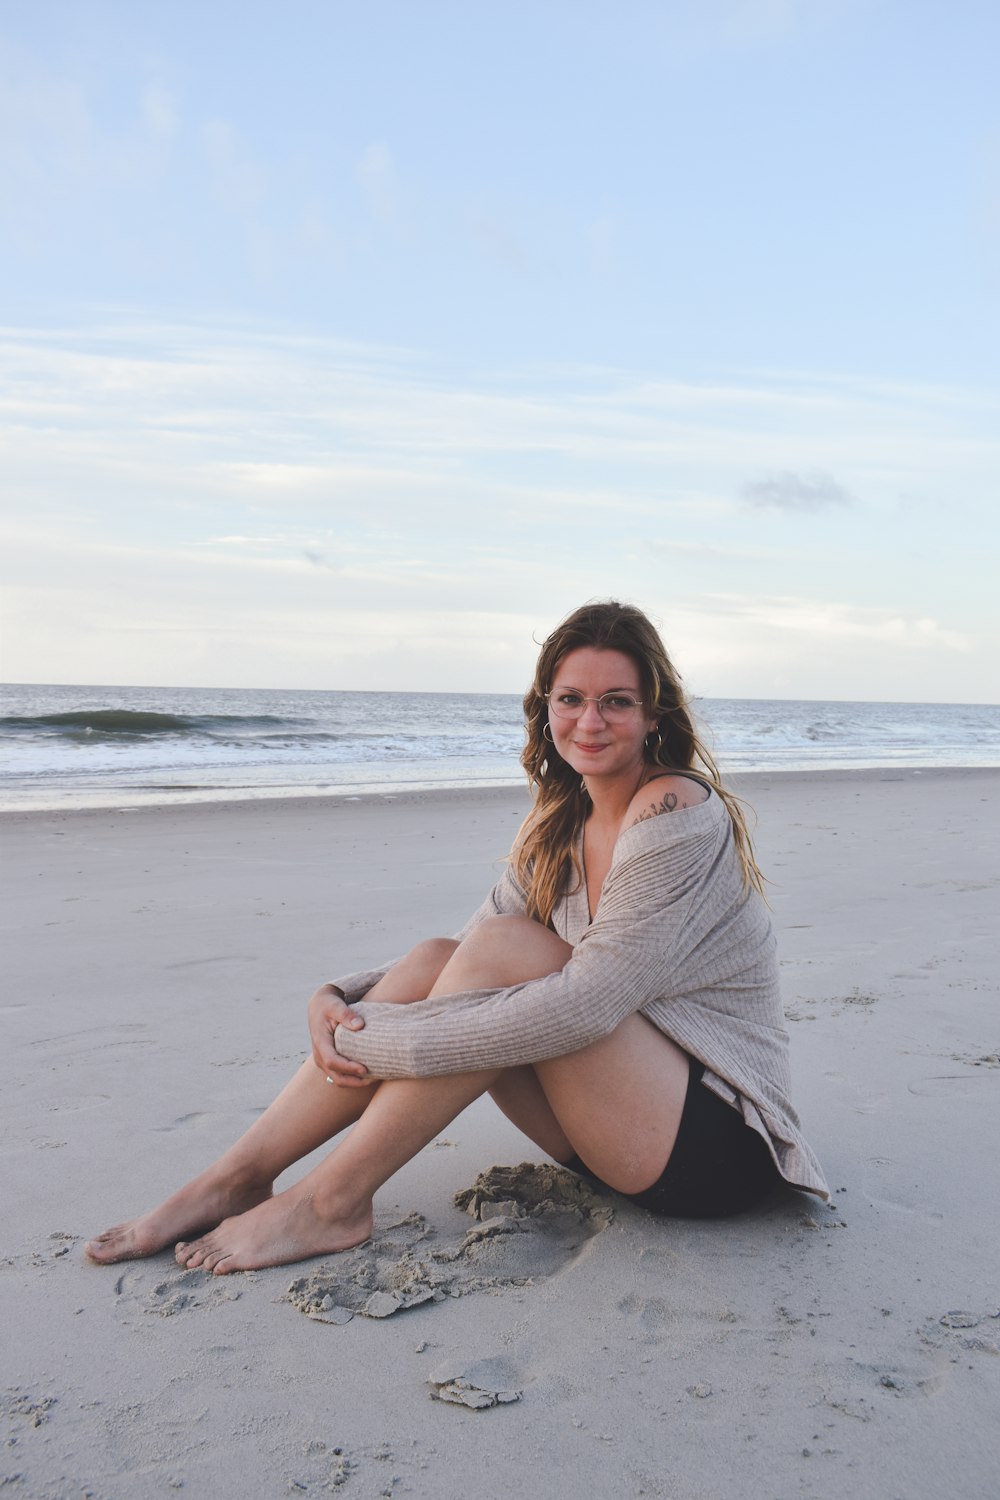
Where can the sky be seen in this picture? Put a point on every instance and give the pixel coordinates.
(351, 345)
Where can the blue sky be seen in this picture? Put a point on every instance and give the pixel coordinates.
(351, 345)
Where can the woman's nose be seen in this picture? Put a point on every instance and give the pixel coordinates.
(591, 715)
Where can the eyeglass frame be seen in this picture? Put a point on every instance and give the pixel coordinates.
(584, 700)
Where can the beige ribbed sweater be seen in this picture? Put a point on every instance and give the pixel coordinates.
(676, 936)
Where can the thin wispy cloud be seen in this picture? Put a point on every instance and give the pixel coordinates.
(246, 471)
(830, 619)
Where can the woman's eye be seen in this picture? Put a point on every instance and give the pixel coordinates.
(619, 700)
(570, 700)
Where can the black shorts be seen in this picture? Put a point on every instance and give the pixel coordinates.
(719, 1164)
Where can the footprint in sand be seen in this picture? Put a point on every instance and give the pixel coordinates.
(69, 1046)
(532, 1221)
(46, 1257)
(650, 1316)
(952, 1085)
(19, 1405)
(180, 1291)
(182, 1121)
(975, 1332)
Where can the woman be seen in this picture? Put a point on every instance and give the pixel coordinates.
(617, 994)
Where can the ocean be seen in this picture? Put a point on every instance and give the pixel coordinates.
(124, 746)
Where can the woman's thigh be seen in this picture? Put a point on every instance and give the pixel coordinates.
(616, 1103)
(619, 1102)
(502, 951)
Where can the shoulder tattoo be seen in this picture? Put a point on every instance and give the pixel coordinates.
(667, 804)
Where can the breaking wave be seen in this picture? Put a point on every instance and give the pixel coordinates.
(130, 723)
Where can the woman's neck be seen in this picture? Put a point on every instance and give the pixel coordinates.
(609, 801)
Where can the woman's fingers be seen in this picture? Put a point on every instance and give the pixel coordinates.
(349, 1018)
(342, 1068)
(338, 1068)
(342, 1071)
(326, 1048)
(327, 1010)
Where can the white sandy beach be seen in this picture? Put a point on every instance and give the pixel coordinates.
(158, 962)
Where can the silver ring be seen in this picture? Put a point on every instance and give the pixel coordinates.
(329, 1079)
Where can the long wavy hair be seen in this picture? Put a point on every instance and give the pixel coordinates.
(544, 857)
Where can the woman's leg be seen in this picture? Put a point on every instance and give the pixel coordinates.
(331, 1208)
(618, 1103)
(306, 1114)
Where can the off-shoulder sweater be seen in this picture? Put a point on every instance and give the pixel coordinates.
(677, 936)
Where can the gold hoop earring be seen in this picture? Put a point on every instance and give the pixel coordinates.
(547, 733)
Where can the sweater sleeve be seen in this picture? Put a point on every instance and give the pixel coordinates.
(507, 898)
(641, 935)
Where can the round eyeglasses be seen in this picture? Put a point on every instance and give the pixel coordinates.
(611, 706)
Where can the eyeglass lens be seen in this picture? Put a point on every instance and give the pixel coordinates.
(611, 706)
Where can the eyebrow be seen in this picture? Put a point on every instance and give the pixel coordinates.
(572, 689)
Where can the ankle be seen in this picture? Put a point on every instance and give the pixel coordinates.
(243, 1176)
(340, 1207)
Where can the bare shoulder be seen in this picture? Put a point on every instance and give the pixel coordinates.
(664, 794)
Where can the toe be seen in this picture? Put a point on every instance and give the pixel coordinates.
(106, 1247)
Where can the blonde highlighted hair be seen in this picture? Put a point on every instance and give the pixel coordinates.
(544, 856)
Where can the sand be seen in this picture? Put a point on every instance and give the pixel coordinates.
(549, 1343)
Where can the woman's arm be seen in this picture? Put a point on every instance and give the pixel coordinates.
(661, 896)
(333, 1004)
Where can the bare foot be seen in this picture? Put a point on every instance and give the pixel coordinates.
(284, 1229)
(207, 1200)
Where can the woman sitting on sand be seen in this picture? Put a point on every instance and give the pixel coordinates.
(616, 994)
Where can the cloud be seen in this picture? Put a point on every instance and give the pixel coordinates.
(262, 470)
(61, 145)
(775, 646)
(715, 551)
(828, 620)
(791, 491)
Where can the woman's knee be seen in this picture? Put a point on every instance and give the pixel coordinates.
(431, 953)
(424, 962)
(413, 977)
(507, 950)
(502, 930)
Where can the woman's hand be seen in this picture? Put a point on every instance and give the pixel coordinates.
(327, 1010)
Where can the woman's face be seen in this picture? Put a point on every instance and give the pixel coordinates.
(593, 745)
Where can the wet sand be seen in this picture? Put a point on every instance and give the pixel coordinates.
(528, 1339)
